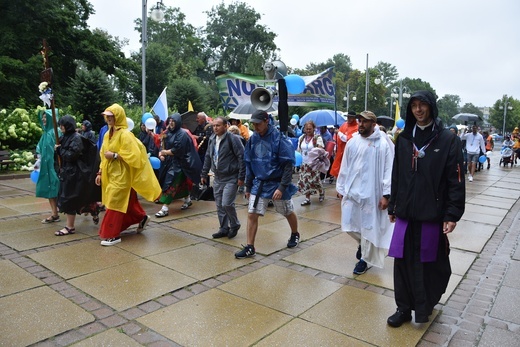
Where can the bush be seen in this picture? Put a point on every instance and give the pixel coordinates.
(19, 130)
(23, 160)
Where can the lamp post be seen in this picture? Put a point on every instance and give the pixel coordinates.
(389, 101)
(505, 106)
(347, 96)
(400, 92)
(157, 15)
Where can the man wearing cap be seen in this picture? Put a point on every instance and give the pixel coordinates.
(345, 132)
(364, 188)
(427, 199)
(269, 159)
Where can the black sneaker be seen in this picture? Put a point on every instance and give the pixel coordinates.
(233, 232)
(220, 233)
(361, 267)
(247, 252)
(294, 240)
(398, 318)
(358, 253)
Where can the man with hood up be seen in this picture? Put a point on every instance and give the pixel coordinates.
(427, 200)
(124, 171)
(86, 131)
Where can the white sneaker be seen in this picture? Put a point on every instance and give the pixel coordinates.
(110, 242)
(470, 178)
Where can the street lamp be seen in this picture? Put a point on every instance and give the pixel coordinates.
(157, 15)
(505, 106)
(389, 101)
(400, 92)
(347, 96)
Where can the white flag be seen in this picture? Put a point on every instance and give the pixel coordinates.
(161, 106)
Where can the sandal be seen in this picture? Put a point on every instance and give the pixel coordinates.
(161, 213)
(186, 205)
(305, 202)
(322, 197)
(95, 219)
(61, 232)
(51, 219)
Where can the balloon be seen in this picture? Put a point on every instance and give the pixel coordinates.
(34, 176)
(156, 163)
(295, 84)
(298, 132)
(299, 158)
(482, 159)
(293, 121)
(130, 123)
(295, 116)
(150, 124)
(146, 116)
(400, 124)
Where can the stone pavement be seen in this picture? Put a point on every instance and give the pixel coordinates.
(175, 286)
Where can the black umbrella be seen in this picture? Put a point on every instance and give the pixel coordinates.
(467, 118)
(189, 120)
(387, 122)
(246, 109)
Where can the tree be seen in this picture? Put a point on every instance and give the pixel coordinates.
(235, 38)
(448, 107)
(512, 116)
(470, 108)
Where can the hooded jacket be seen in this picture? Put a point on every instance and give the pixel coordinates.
(88, 133)
(131, 170)
(431, 188)
(48, 184)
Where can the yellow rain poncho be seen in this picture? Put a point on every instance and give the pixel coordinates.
(131, 170)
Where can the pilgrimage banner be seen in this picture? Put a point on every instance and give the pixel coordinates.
(236, 88)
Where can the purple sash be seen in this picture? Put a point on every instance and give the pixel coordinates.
(429, 240)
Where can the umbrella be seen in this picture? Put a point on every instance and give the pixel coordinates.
(387, 122)
(245, 110)
(189, 120)
(323, 118)
(466, 117)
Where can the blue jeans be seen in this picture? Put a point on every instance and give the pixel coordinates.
(225, 194)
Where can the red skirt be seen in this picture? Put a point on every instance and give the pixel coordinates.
(114, 222)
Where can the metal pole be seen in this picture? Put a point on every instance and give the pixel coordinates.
(366, 85)
(505, 113)
(348, 96)
(400, 93)
(144, 41)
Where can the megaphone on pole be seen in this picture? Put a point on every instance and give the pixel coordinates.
(262, 98)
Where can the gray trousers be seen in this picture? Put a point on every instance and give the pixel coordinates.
(225, 194)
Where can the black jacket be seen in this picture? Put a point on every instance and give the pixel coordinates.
(231, 163)
(432, 188)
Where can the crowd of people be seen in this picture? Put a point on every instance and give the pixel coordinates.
(400, 196)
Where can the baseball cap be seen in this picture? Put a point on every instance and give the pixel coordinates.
(351, 114)
(259, 116)
(107, 113)
(368, 115)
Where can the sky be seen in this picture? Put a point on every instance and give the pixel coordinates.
(469, 48)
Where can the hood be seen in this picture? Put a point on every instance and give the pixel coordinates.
(176, 117)
(87, 124)
(69, 124)
(48, 119)
(429, 98)
(120, 116)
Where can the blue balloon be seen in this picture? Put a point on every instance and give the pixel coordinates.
(482, 159)
(298, 157)
(34, 176)
(156, 163)
(298, 132)
(295, 116)
(400, 124)
(295, 84)
(146, 116)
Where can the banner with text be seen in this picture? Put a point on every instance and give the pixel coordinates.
(235, 89)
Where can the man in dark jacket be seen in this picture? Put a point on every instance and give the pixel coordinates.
(225, 157)
(427, 199)
(203, 131)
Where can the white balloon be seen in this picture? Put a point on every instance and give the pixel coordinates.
(293, 121)
(130, 123)
(150, 123)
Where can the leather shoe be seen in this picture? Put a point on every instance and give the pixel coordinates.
(398, 318)
(233, 232)
(220, 233)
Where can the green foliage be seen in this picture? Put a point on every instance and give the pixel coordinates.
(448, 107)
(511, 114)
(19, 130)
(23, 160)
(470, 108)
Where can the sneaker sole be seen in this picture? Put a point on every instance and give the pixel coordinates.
(141, 229)
(103, 243)
(246, 256)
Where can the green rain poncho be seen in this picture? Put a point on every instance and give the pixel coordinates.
(48, 183)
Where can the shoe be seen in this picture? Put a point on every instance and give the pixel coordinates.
(306, 202)
(322, 197)
(233, 232)
(95, 219)
(470, 178)
(358, 253)
(247, 252)
(186, 205)
(51, 219)
(220, 233)
(111, 242)
(161, 213)
(65, 231)
(142, 224)
(294, 240)
(361, 267)
(489, 165)
(421, 319)
(398, 318)
(331, 179)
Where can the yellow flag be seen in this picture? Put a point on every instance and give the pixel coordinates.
(190, 106)
(397, 111)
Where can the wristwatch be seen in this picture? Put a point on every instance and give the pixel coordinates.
(115, 155)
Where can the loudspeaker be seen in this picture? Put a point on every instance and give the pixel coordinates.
(262, 98)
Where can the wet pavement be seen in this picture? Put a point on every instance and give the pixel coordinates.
(173, 285)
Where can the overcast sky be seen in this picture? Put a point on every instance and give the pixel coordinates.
(469, 48)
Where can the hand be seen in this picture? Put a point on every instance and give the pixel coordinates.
(98, 180)
(383, 203)
(109, 155)
(203, 181)
(240, 183)
(277, 195)
(448, 227)
(392, 218)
